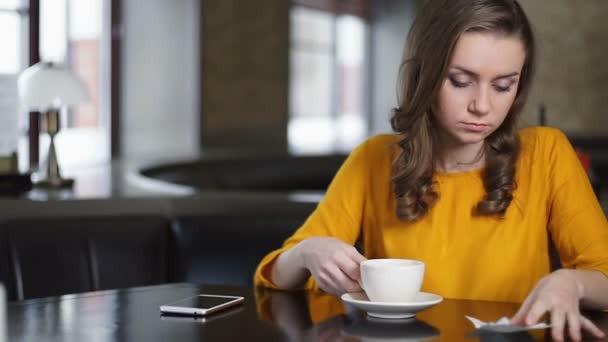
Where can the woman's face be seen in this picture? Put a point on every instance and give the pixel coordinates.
(479, 88)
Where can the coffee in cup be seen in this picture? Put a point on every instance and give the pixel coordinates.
(391, 280)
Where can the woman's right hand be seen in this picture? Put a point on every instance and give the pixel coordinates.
(333, 263)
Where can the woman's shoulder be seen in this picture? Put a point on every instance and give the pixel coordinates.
(541, 132)
(378, 150)
(383, 140)
(543, 138)
(381, 145)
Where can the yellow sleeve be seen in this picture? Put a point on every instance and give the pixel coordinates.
(577, 222)
(338, 215)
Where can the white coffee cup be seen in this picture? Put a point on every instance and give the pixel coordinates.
(391, 280)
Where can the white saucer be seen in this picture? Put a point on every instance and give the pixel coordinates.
(422, 301)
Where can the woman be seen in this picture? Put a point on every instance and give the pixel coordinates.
(460, 186)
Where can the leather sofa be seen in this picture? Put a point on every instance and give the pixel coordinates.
(54, 256)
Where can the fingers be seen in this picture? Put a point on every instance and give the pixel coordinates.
(325, 279)
(348, 275)
(574, 325)
(349, 264)
(536, 311)
(576, 322)
(520, 317)
(558, 295)
(587, 325)
(558, 320)
(333, 263)
(354, 254)
(345, 275)
(333, 280)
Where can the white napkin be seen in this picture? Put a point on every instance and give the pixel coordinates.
(503, 325)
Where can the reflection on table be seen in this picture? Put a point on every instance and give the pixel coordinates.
(133, 315)
(314, 316)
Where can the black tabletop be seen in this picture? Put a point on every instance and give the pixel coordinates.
(133, 315)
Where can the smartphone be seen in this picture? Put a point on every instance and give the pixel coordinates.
(201, 305)
(171, 317)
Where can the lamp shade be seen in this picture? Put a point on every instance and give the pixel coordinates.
(47, 85)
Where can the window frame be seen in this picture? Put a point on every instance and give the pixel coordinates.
(32, 12)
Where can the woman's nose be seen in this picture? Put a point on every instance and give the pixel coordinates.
(480, 104)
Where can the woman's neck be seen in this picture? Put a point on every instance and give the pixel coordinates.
(460, 158)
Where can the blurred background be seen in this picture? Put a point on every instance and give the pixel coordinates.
(221, 123)
(189, 78)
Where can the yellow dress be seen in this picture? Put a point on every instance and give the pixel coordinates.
(467, 256)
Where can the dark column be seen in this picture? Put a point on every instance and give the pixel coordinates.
(245, 56)
(34, 57)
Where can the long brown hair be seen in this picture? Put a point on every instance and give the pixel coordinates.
(430, 44)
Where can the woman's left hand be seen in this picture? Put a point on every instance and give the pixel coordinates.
(558, 293)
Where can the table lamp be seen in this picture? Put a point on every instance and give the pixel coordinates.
(47, 87)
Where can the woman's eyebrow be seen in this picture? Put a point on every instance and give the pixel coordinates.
(475, 75)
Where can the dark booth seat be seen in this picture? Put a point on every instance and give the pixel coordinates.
(7, 277)
(131, 253)
(49, 257)
(226, 249)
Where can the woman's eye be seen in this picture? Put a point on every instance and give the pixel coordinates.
(502, 89)
(459, 84)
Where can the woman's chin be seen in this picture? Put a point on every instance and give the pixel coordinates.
(470, 138)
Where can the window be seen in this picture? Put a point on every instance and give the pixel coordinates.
(74, 33)
(11, 26)
(327, 110)
(12, 61)
(71, 32)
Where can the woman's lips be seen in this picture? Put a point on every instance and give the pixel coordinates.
(475, 126)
